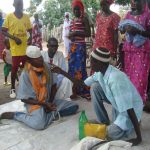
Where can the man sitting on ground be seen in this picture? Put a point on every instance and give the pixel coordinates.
(37, 90)
(110, 85)
(53, 56)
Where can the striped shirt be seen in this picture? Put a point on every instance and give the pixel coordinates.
(78, 25)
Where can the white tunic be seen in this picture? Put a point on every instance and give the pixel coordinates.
(66, 28)
(64, 85)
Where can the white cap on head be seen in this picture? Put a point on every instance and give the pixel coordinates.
(33, 52)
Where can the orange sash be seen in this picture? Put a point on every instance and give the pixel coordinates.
(39, 85)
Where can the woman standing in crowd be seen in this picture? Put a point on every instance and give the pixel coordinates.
(136, 59)
(37, 32)
(107, 28)
(79, 29)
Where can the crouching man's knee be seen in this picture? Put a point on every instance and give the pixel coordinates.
(95, 86)
(115, 133)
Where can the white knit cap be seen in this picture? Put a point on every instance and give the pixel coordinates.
(101, 54)
(33, 52)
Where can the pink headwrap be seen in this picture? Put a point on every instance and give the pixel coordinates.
(79, 4)
(108, 1)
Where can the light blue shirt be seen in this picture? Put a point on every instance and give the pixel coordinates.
(121, 93)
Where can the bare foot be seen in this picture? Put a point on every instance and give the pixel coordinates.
(7, 115)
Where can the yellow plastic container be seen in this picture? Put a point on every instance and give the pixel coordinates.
(95, 130)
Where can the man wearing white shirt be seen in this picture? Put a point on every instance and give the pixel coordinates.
(53, 56)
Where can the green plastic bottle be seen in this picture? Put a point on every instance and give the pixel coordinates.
(82, 120)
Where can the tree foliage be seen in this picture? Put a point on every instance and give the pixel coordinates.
(33, 6)
(53, 11)
(36, 2)
(122, 2)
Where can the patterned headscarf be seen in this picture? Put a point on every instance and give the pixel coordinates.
(79, 4)
(108, 1)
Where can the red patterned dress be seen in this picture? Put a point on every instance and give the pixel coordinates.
(105, 27)
(37, 35)
(77, 53)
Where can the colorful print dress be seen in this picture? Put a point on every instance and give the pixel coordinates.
(77, 53)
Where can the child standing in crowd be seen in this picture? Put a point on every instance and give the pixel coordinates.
(7, 58)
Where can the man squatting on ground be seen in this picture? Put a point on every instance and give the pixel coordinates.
(110, 85)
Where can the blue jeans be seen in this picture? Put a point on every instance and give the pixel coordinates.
(98, 97)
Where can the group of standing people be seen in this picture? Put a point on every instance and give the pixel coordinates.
(38, 86)
(134, 59)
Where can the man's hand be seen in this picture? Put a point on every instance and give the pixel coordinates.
(18, 41)
(135, 141)
(56, 69)
(50, 107)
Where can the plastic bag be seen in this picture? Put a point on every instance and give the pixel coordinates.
(90, 129)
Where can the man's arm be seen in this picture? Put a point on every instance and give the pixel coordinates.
(48, 106)
(5, 33)
(30, 38)
(135, 123)
(33, 102)
(53, 93)
(56, 69)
